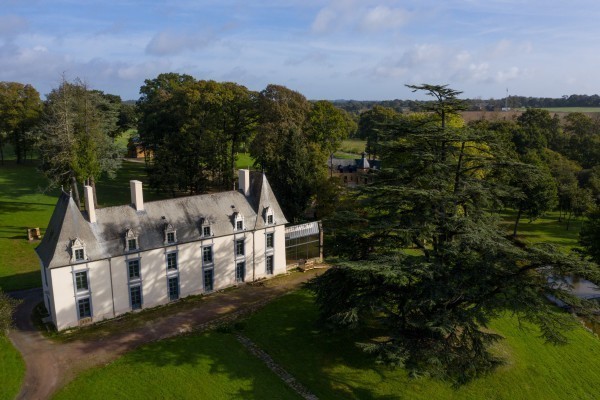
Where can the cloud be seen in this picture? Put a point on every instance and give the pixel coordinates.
(12, 25)
(382, 18)
(359, 17)
(171, 43)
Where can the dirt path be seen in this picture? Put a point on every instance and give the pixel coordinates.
(50, 364)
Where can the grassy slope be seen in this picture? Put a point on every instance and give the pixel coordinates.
(330, 365)
(12, 369)
(207, 366)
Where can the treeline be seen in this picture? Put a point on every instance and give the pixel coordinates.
(194, 129)
(575, 100)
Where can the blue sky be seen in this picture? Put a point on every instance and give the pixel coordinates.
(341, 49)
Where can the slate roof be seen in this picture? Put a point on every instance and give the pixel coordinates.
(106, 237)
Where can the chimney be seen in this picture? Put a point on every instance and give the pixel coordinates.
(88, 192)
(244, 181)
(137, 196)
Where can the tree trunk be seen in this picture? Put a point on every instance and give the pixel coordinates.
(517, 222)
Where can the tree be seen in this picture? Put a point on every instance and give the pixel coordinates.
(75, 145)
(536, 190)
(429, 311)
(370, 125)
(20, 110)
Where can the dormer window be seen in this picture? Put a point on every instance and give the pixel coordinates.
(205, 228)
(131, 240)
(78, 250)
(238, 220)
(170, 234)
(269, 218)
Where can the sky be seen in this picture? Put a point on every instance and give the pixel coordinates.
(325, 49)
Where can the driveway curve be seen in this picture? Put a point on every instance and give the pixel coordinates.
(51, 364)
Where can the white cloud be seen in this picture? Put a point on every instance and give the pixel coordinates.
(382, 18)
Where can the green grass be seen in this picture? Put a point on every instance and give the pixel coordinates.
(353, 146)
(331, 366)
(12, 369)
(244, 161)
(573, 109)
(207, 366)
(545, 229)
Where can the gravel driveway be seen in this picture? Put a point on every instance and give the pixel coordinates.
(52, 364)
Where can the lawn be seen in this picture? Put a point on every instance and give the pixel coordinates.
(331, 366)
(573, 109)
(206, 366)
(545, 229)
(353, 146)
(12, 369)
(23, 204)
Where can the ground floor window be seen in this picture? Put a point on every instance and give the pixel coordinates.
(208, 280)
(270, 265)
(173, 288)
(135, 295)
(240, 272)
(84, 307)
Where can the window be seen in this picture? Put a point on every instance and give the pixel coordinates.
(270, 237)
(206, 231)
(84, 307)
(135, 296)
(238, 221)
(269, 265)
(132, 244)
(171, 261)
(81, 281)
(170, 234)
(171, 237)
(77, 250)
(239, 247)
(240, 272)
(131, 240)
(134, 269)
(173, 284)
(207, 256)
(268, 215)
(208, 280)
(79, 255)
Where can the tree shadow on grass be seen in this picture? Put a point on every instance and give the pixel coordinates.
(209, 365)
(25, 280)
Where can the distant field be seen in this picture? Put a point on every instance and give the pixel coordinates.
(353, 146)
(574, 109)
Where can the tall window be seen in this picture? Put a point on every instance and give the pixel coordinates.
(208, 280)
(135, 295)
(131, 240)
(270, 238)
(84, 307)
(207, 256)
(269, 265)
(171, 261)
(240, 272)
(134, 269)
(239, 247)
(77, 250)
(270, 219)
(239, 225)
(81, 281)
(206, 231)
(173, 284)
(170, 234)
